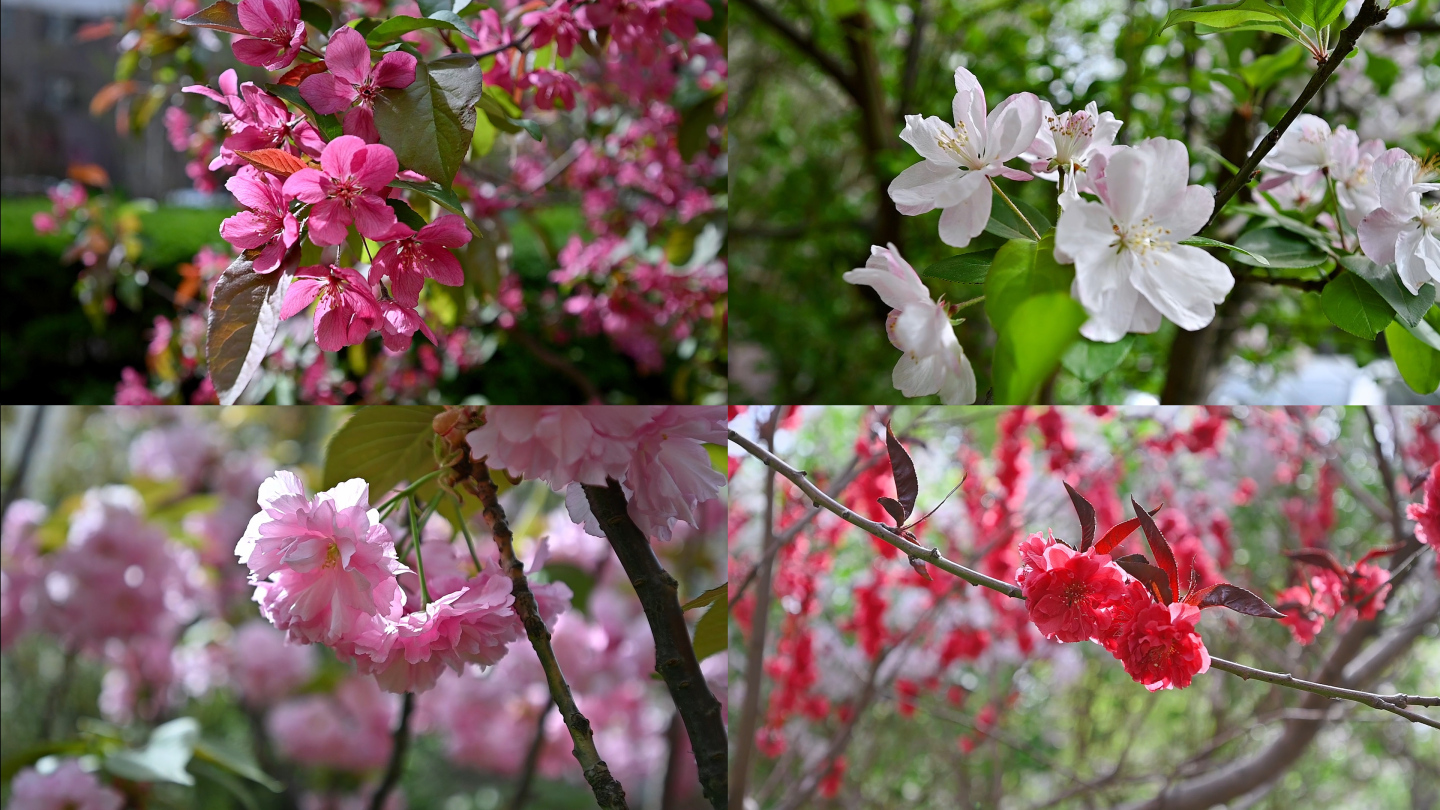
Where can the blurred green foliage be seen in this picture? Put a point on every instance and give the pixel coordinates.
(812, 152)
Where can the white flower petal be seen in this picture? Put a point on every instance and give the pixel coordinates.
(1379, 232)
(927, 186)
(1417, 257)
(1084, 230)
(1127, 173)
(958, 388)
(969, 103)
(897, 293)
(966, 220)
(925, 134)
(1184, 283)
(1188, 215)
(1012, 127)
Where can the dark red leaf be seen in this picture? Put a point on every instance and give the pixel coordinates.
(1119, 532)
(1318, 557)
(1195, 596)
(907, 486)
(1239, 600)
(1134, 558)
(894, 508)
(1156, 581)
(1380, 552)
(295, 75)
(222, 16)
(1086, 513)
(1164, 557)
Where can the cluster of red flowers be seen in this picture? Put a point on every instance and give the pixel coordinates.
(1085, 596)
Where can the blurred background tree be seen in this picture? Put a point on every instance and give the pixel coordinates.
(821, 89)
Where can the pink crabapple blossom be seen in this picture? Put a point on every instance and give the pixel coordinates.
(346, 189)
(352, 81)
(347, 310)
(276, 33)
(1426, 514)
(412, 256)
(266, 224)
(1066, 142)
(959, 160)
(1130, 268)
(931, 360)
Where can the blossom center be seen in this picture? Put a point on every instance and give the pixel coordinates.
(1430, 218)
(1141, 237)
(957, 143)
(1071, 131)
(346, 189)
(367, 91)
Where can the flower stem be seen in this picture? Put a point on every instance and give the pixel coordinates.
(1335, 206)
(465, 530)
(419, 561)
(996, 186)
(399, 743)
(393, 501)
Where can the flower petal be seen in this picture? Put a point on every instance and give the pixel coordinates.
(302, 292)
(969, 103)
(339, 156)
(257, 52)
(348, 56)
(373, 218)
(329, 222)
(447, 231)
(327, 93)
(1012, 127)
(1184, 283)
(1379, 232)
(395, 69)
(376, 168)
(962, 222)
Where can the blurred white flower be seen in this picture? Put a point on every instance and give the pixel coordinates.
(1401, 230)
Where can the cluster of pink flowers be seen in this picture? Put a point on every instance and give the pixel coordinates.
(1426, 514)
(1359, 590)
(67, 787)
(1085, 596)
(325, 571)
(656, 453)
(65, 199)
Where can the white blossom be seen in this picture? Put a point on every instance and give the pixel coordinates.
(1401, 229)
(1066, 142)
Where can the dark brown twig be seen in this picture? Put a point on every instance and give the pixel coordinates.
(532, 760)
(674, 654)
(400, 743)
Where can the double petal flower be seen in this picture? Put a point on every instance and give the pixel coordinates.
(961, 159)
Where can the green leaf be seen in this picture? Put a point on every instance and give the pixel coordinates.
(708, 597)
(1280, 248)
(1302, 11)
(385, 446)
(1267, 70)
(1425, 330)
(712, 632)
(1039, 331)
(221, 16)
(316, 15)
(1089, 360)
(1205, 241)
(581, 583)
(1004, 224)
(328, 125)
(244, 316)
(395, 27)
(1419, 364)
(1355, 306)
(504, 113)
(444, 196)
(164, 757)
(236, 762)
(405, 214)
(1409, 307)
(1383, 72)
(1328, 11)
(967, 268)
(1023, 269)
(484, 138)
(1245, 15)
(429, 123)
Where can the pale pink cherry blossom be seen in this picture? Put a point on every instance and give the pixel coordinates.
(560, 444)
(264, 666)
(350, 729)
(1402, 229)
(351, 80)
(1130, 268)
(961, 159)
(398, 324)
(20, 567)
(320, 565)
(267, 224)
(412, 256)
(671, 473)
(1066, 142)
(277, 31)
(68, 787)
(347, 310)
(1302, 149)
(931, 360)
(347, 190)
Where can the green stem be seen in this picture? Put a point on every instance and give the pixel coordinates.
(465, 530)
(393, 501)
(419, 560)
(996, 186)
(1335, 206)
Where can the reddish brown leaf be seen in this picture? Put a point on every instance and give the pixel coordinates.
(1380, 552)
(297, 74)
(1156, 581)
(1086, 512)
(89, 174)
(278, 162)
(222, 16)
(1134, 558)
(1195, 596)
(1318, 557)
(919, 566)
(1239, 600)
(1164, 557)
(1118, 533)
(894, 508)
(907, 486)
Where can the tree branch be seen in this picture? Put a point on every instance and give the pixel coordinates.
(532, 760)
(608, 792)
(1369, 15)
(400, 743)
(674, 654)
(1389, 703)
(805, 44)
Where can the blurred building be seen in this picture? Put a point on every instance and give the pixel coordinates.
(47, 80)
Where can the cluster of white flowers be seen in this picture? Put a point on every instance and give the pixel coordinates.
(1131, 267)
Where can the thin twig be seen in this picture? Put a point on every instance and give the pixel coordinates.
(1391, 703)
(1006, 198)
(607, 789)
(532, 760)
(22, 467)
(400, 742)
(1368, 15)
(675, 658)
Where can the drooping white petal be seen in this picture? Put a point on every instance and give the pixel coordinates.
(958, 387)
(1417, 257)
(966, 219)
(1083, 231)
(896, 282)
(927, 186)
(1012, 127)
(1184, 283)
(1379, 232)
